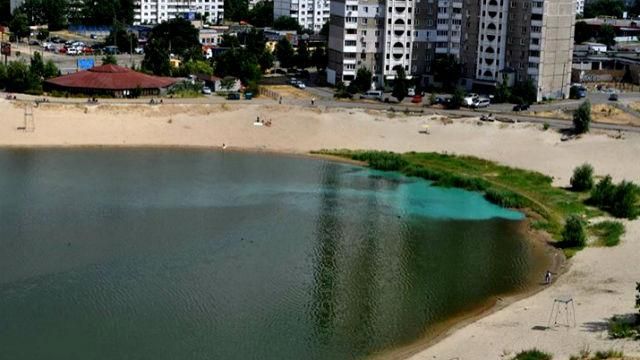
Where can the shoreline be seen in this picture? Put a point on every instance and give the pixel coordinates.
(297, 131)
(490, 306)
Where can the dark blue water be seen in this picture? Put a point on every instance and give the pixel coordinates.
(169, 254)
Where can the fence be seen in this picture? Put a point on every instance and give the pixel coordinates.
(270, 93)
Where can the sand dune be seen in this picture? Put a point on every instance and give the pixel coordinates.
(601, 280)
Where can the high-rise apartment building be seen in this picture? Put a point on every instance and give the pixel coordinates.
(493, 40)
(376, 34)
(310, 14)
(157, 11)
(579, 7)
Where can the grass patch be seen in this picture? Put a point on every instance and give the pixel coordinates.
(599, 355)
(533, 354)
(607, 232)
(621, 327)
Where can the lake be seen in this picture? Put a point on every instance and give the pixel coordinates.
(195, 254)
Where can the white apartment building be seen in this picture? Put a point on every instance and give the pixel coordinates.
(157, 11)
(310, 14)
(580, 7)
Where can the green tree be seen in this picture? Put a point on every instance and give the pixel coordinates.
(582, 118)
(19, 25)
(3, 75)
(42, 35)
(623, 204)
(284, 53)
(595, 8)
(286, 23)
(447, 70)
(177, 36)
(319, 58)
(302, 55)
(236, 10)
(261, 15)
(362, 82)
(456, 99)
(254, 41)
(230, 41)
(583, 32)
(266, 60)
(607, 35)
(400, 87)
(50, 70)
(37, 65)
(582, 179)
(5, 11)
(20, 79)
(602, 193)
(120, 37)
(238, 63)
(503, 91)
(324, 31)
(573, 234)
(104, 12)
(109, 60)
(525, 90)
(194, 67)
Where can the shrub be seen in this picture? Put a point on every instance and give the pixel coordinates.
(505, 198)
(582, 179)
(381, 160)
(573, 234)
(609, 232)
(603, 192)
(623, 203)
(621, 328)
(545, 126)
(582, 118)
(620, 200)
(533, 354)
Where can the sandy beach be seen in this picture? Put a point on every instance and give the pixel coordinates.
(600, 280)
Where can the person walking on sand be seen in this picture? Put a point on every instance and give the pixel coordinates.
(280, 100)
(313, 101)
(547, 277)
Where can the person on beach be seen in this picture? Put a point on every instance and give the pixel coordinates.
(313, 101)
(280, 100)
(547, 277)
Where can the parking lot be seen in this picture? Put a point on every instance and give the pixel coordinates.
(66, 63)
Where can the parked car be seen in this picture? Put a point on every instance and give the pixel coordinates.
(301, 85)
(613, 97)
(372, 94)
(293, 81)
(206, 90)
(111, 50)
(521, 107)
(411, 91)
(233, 96)
(481, 103)
(73, 51)
(138, 50)
(470, 99)
(34, 42)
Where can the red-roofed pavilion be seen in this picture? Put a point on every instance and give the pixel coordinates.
(114, 80)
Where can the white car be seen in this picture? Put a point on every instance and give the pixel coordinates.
(300, 85)
(73, 51)
(206, 90)
(411, 91)
(138, 50)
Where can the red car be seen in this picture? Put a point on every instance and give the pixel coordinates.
(87, 50)
(63, 50)
(416, 99)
